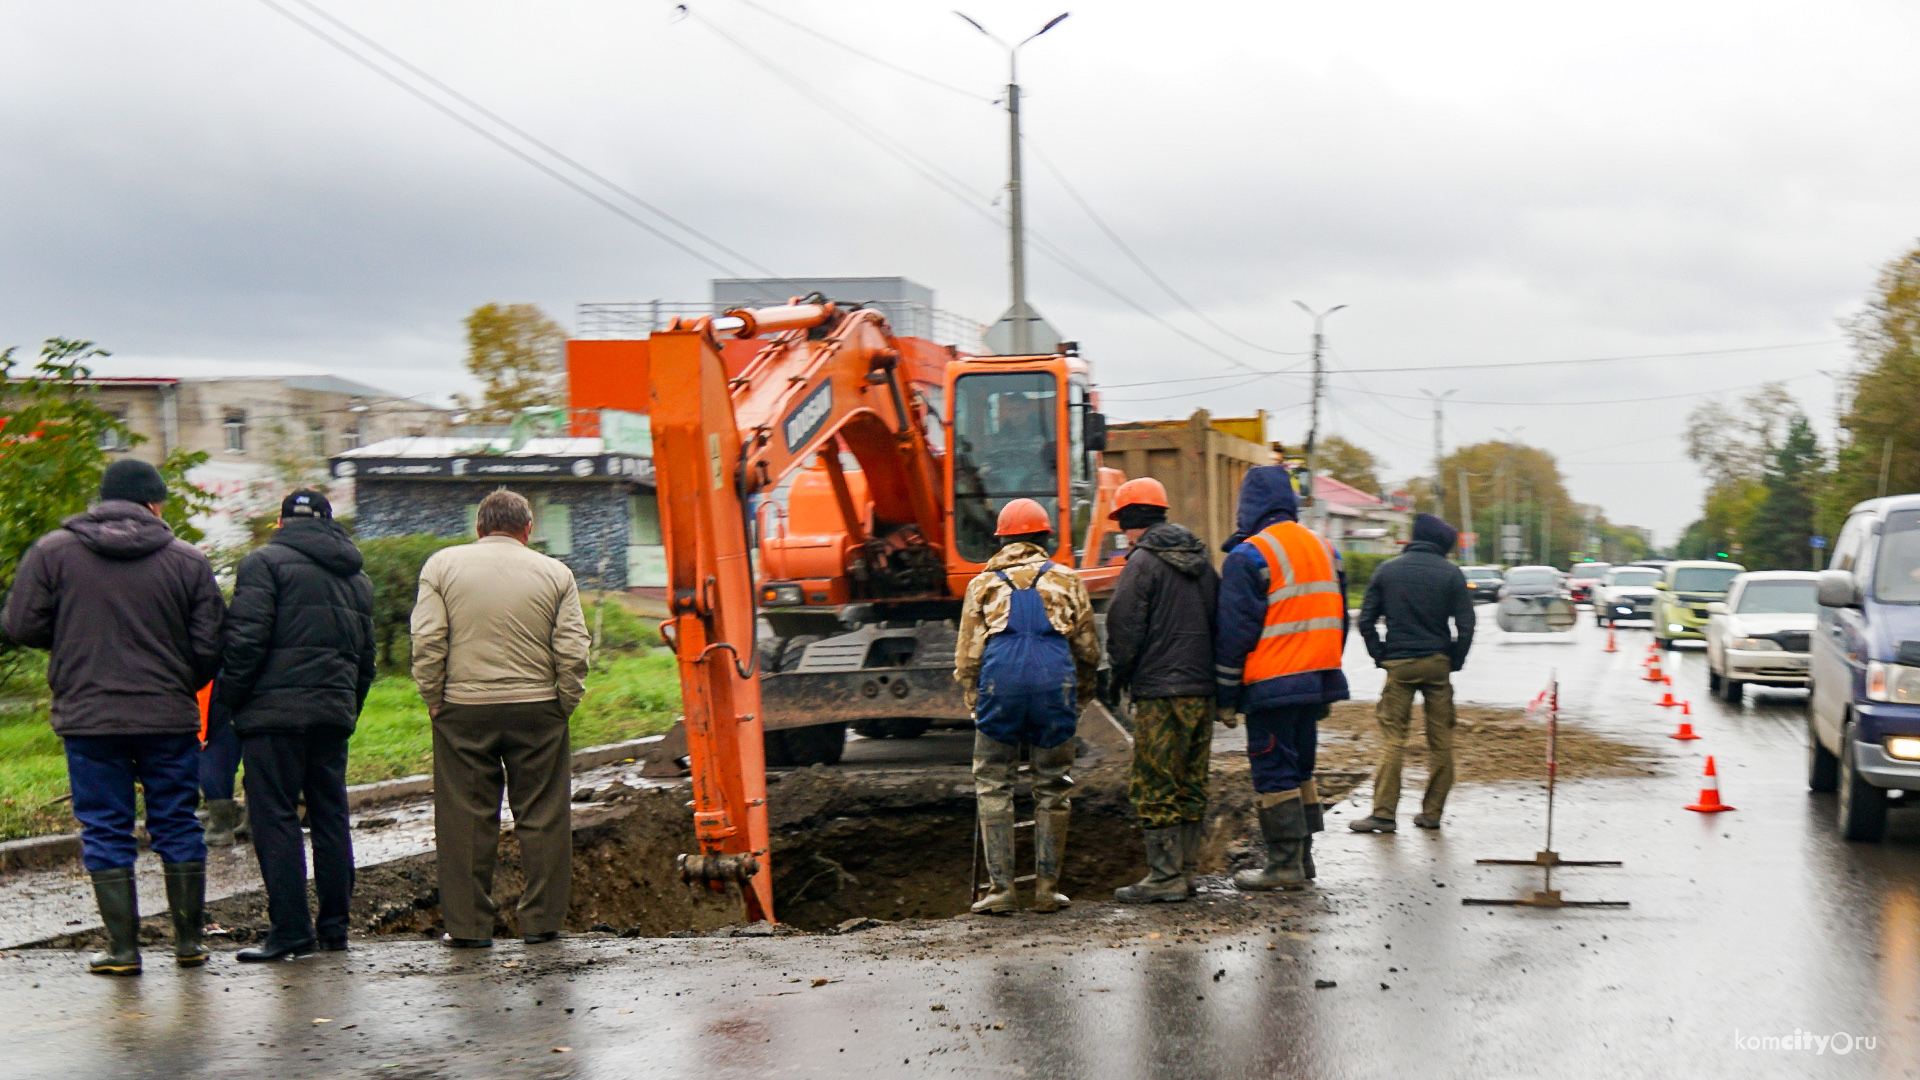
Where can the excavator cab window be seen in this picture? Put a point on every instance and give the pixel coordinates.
(1080, 480)
(1005, 447)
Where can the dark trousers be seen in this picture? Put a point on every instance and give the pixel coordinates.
(478, 750)
(101, 771)
(1281, 744)
(283, 767)
(220, 755)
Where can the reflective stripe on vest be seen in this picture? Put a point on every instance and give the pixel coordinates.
(1304, 605)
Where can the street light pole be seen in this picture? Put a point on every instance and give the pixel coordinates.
(1313, 421)
(1507, 435)
(1439, 481)
(1022, 316)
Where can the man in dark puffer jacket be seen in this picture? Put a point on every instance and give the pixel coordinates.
(1417, 594)
(299, 662)
(1160, 638)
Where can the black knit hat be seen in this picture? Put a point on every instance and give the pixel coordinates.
(134, 481)
(306, 504)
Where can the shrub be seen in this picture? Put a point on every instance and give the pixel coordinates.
(1360, 568)
(394, 562)
(616, 629)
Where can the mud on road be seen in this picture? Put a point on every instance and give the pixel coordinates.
(895, 846)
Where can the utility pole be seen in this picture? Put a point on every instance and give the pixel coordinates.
(1019, 317)
(1466, 518)
(1313, 420)
(1507, 436)
(1439, 481)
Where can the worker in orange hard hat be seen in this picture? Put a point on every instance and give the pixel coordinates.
(1160, 643)
(1027, 657)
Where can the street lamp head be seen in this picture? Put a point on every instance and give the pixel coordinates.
(1051, 23)
(971, 22)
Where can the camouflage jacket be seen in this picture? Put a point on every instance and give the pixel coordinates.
(984, 613)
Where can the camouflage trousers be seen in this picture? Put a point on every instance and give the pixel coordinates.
(1172, 745)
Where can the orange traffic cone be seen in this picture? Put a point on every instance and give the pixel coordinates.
(1666, 700)
(1654, 674)
(1710, 795)
(1686, 729)
(1610, 647)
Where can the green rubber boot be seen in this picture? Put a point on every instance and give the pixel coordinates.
(1049, 851)
(996, 836)
(1284, 828)
(187, 902)
(113, 890)
(1164, 882)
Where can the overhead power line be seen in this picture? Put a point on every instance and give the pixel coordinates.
(882, 61)
(495, 138)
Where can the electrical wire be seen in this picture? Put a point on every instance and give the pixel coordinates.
(1610, 401)
(497, 140)
(1599, 359)
(882, 61)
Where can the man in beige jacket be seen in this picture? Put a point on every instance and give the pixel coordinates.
(500, 651)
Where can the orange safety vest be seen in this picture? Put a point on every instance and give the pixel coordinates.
(1305, 608)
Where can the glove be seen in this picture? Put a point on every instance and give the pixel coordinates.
(1228, 716)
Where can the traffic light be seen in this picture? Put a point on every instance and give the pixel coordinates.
(1719, 554)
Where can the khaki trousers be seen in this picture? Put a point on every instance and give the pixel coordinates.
(1430, 676)
(477, 751)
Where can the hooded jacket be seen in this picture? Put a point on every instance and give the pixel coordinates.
(299, 636)
(1160, 620)
(1266, 498)
(130, 616)
(983, 613)
(1416, 593)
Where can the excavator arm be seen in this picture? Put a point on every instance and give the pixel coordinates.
(829, 378)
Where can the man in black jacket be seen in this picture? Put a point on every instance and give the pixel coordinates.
(1417, 594)
(299, 662)
(130, 616)
(1160, 640)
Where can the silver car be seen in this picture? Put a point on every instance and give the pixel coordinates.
(1761, 632)
(1625, 593)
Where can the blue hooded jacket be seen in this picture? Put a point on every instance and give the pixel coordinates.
(1266, 497)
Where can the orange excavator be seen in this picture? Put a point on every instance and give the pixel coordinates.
(823, 512)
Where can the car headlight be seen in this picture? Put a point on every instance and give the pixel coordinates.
(783, 595)
(1675, 628)
(1904, 747)
(1756, 644)
(1624, 609)
(1896, 683)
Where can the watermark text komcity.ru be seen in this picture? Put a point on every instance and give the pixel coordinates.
(1837, 1043)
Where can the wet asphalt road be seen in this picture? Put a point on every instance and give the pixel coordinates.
(1757, 923)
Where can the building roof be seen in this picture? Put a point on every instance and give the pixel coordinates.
(1346, 495)
(440, 446)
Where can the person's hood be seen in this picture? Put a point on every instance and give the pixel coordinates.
(116, 529)
(1266, 496)
(1022, 554)
(1176, 546)
(324, 541)
(1428, 529)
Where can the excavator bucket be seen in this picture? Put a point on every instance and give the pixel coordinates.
(697, 450)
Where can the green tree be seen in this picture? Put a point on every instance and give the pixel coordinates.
(1348, 463)
(393, 564)
(51, 431)
(1882, 426)
(1777, 535)
(1734, 444)
(1517, 485)
(518, 354)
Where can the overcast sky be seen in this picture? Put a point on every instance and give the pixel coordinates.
(206, 188)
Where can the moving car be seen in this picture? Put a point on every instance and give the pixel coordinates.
(1760, 634)
(1483, 582)
(1534, 600)
(1625, 594)
(1583, 577)
(1682, 595)
(1864, 721)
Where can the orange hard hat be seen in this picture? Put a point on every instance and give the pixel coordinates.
(1145, 491)
(1022, 516)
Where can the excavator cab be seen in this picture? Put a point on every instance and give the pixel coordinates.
(1023, 428)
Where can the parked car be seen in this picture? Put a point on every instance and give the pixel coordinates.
(1583, 577)
(1483, 582)
(1681, 597)
(1534, 600)
(1759, 635)
(1625, 594)
(1864, 720)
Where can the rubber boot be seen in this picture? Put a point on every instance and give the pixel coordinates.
(1284, 827)
(187, 902)
(1049, 851)
(1164, 883)
(223, 820)
(1193, 837)
(996, 836)
(1316, 812)
(113, 890)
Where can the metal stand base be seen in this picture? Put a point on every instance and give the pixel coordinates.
(1546, 898)
(1547, 858)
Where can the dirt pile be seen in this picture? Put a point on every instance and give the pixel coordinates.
(1489, 745)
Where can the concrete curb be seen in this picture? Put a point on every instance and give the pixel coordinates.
(43, 851)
